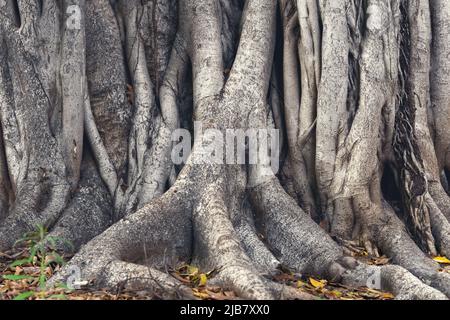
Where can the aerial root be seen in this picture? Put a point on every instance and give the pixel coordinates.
(263, 260)
(391, 238)
(246, 282)
(97, 264)
(441, 281)
(106, 259)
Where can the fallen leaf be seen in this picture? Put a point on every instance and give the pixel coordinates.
(388, 296)
(24, 295)
(199, 294)
(317, 284)
(335, 293)
(442, 260)
(203, 280)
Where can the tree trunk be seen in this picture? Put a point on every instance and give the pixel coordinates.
(352, 96)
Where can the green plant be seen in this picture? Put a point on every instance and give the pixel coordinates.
(42, 253)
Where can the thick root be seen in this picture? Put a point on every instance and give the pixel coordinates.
(392, 279)
(295, 239)
(218, 247)
(129, 240)
(396, 243)
(253, 245)
(136, 277)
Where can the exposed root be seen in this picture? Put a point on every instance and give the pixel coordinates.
(138, 277)
(216, 247)
(392, 279)
(347, 110)
(302, 246)
(396, 243)
(253, 244)
(129, 238)
(440, 227)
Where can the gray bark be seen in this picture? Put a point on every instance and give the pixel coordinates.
(91, 91)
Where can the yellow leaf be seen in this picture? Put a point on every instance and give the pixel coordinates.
(192, 271)
(388, 296)
(443, 260)
(317, 284)
(203, 280)
(200, 294)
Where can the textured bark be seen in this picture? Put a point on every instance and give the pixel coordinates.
(91, 92)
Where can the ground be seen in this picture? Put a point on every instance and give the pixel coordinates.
(22, 282)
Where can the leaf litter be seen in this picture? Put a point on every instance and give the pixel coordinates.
(22, 282)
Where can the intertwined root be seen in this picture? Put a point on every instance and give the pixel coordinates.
(341, 128)
(381, 231)
(171, 230)
(108, 258)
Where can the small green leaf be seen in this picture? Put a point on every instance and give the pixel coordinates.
(14, 277)
(24, 295)
(42, 280)
(20, 262)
